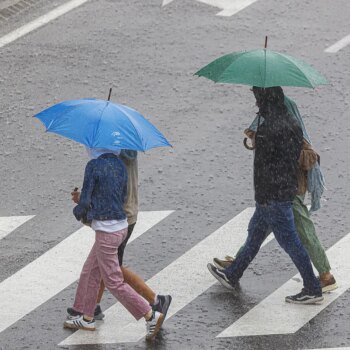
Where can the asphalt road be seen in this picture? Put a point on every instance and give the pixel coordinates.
(148, 54)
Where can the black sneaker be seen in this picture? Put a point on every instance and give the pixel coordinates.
(305, 298)
(220, 276)
(98, 314)
(72, 314)
(163, 304)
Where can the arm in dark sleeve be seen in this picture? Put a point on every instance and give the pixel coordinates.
(85, 197)
(298, 144)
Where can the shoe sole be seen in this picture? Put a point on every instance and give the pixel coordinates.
(223, 282)
(72, 326)
(157, 329)
(316, 301)
(329, 288)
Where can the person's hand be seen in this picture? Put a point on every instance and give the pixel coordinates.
(75, 195)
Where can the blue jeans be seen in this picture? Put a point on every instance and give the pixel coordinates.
(279, 217)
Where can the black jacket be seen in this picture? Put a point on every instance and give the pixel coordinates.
(278, 146)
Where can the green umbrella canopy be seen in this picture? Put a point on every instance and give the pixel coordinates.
(263, 68)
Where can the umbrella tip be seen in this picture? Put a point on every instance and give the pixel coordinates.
(265, 42)
(109, 95)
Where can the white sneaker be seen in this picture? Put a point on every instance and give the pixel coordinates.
(80, 323)
(153, 325)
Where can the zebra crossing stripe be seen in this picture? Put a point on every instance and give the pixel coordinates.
(274, 316)
(190, 280)
(229, 7)
(39, 22)
(339, 45)
(346, 348)
(55, 270)
(10, 223)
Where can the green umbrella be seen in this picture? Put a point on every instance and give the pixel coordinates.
(262, 68)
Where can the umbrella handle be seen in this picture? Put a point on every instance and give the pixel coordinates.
(245, 143)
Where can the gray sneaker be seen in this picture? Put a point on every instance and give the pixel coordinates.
(163, 304)
(98, 314)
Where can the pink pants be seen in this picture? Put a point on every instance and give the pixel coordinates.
(103, 262)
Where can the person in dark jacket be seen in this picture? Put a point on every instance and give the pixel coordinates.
(278, 145)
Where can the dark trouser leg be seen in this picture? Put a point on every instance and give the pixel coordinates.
(256, 234)
(281, 219)
(123, 245)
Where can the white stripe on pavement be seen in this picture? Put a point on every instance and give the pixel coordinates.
(55, 270)
(39, 22)
(339, 45)
(10, 223)
(274, 316)
(229, 7)
(166, 2)
(346, 348)
(190, 280)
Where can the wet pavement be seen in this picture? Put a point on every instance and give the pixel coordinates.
(148, 54)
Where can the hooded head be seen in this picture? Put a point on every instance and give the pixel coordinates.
(270, 101)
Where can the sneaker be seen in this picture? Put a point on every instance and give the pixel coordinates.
(98, 314)
(80, 323)
(328, 284)
(72, 314)
(220, 276)
(305, 298)
(153, 325)
(223, 264)
(163, 304)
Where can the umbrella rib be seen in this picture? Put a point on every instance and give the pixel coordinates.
(131, 117)
(296, 64)
(99, 122)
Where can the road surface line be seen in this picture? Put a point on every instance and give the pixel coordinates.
(234, 7)
(339, 45)
(55, 270)
(183, 279)
(166, 2)
(346, 348)
(10, 223)
(229, 7)
(40, 21)
(274, 316)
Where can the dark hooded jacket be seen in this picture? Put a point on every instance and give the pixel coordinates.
(278, 145)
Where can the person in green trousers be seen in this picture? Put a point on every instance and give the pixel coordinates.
(309, 171)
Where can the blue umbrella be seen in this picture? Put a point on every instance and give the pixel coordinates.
(102, 124)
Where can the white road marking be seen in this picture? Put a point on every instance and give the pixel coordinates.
(346, 348)
(274, 316)
(39, 22)
(339, 45)
(55, 270)
(229, 7)
(183, 279)
(10, 223)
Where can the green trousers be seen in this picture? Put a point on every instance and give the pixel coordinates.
(307, 234)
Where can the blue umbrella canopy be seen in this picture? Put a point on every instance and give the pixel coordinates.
(102, 124)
